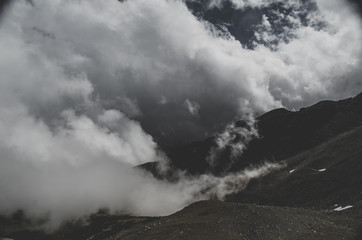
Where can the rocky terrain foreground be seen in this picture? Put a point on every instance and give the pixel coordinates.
(214, 220)
(220, 220)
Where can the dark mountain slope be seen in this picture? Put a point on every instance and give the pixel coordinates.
(325, 177)
(283, 134)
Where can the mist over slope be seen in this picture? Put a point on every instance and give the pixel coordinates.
(281, 134)
(90, 89)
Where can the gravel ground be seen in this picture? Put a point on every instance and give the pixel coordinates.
(220, 220)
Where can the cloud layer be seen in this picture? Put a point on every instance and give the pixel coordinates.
(135, 53)
(86, 87)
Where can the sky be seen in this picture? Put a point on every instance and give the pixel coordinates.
(90, 89)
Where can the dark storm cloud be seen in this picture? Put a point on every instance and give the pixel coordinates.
(87, 85)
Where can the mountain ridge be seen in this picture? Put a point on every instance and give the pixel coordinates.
(283, 134)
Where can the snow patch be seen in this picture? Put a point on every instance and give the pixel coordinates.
(340, 208)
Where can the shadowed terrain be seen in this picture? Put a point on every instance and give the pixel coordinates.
(323, 177)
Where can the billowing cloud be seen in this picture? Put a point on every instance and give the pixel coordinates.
(88, 87)
(142, 50)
